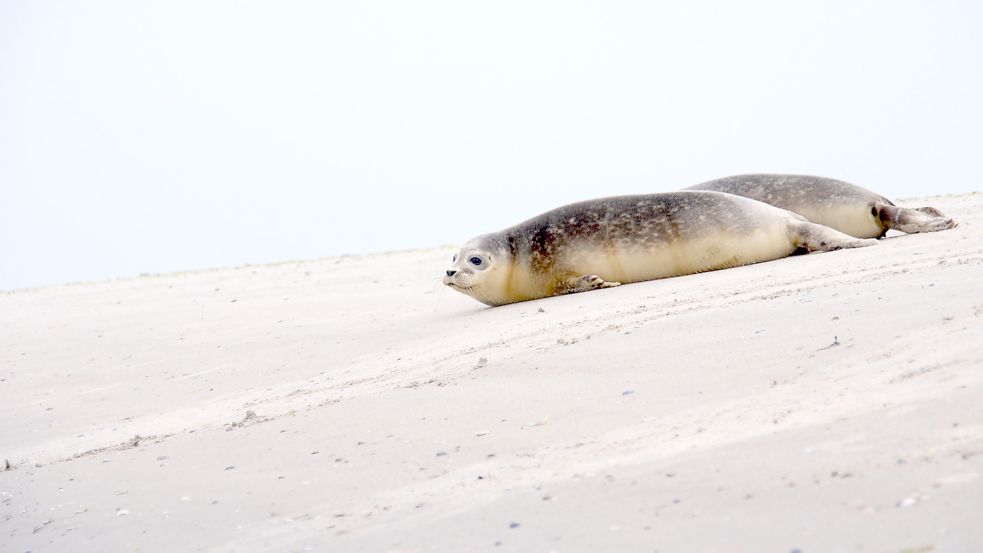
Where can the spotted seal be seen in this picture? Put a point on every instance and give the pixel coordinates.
(609, 241)
(834, 203)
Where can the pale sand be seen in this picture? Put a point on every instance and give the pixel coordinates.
(830, 402)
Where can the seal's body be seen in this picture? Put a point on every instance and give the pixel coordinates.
(609, 241)
(834, 203)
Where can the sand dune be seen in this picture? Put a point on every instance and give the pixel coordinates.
(829, 402)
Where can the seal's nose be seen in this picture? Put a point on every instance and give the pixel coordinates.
(450, 272)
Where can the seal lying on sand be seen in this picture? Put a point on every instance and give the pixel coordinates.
(609, 241)
(846, 207)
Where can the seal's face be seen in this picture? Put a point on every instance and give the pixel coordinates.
(480, 272)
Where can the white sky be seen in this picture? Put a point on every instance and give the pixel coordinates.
(141, 136)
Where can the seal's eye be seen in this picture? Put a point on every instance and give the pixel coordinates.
(454, 259)
(475, 260)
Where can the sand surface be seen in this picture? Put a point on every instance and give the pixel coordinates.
(820, 403)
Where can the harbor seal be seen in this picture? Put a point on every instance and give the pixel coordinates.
(834, 203)
(606, 242)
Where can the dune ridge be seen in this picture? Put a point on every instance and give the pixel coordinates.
(829, 402)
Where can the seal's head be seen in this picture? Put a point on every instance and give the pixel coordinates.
(482, 269)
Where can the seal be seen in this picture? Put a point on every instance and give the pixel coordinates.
(845, 207)
(609, 241)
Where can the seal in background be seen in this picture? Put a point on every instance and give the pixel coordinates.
(843, 206)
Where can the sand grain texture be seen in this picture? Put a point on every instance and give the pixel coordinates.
(830, 402)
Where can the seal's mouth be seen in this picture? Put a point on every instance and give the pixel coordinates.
(450, 282)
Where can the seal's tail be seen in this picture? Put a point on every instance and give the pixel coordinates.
(912, 220)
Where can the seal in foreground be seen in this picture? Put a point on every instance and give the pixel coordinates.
(846, 207)
(609, 241)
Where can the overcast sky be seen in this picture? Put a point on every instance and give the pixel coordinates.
(140, 137)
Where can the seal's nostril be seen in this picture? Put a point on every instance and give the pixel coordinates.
(450, 272)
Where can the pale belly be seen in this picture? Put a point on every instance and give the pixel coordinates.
(681, 257)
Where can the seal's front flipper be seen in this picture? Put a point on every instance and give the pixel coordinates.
(922, 219)
(817, 238)
(585, 283)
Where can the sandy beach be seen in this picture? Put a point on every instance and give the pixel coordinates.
(821, 403)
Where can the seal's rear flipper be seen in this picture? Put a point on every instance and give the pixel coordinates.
(930, 211)
(817, 238)
(922, 219)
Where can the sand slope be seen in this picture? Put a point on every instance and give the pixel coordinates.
(830, 402)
